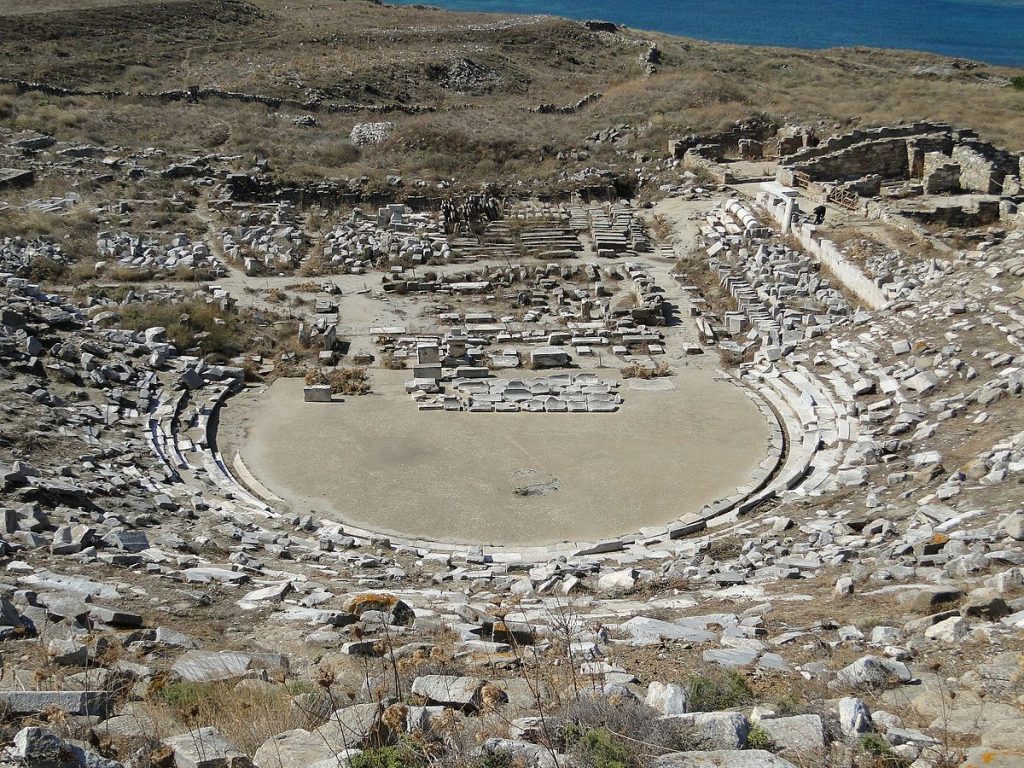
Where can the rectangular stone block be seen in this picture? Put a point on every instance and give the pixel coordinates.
(319, 393)
(69, 702)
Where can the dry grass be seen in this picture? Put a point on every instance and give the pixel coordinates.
(637, 370)
(247, 712)
(343, 381)
(193, 323)
(389, 361)
(316, 265)
(73, 230)
(694, 267)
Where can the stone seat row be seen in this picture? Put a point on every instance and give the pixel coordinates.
(194, 409)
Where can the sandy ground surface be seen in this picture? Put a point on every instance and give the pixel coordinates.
(378, 462)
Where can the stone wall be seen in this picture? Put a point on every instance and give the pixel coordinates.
(16, 177)
(947, 159)
(846, 272)
(868, 186)
(757, 129)
(847, 140)
(833, 259)
(886, 157)
(920, 146)
(983, 167)
(984, 213)
(705, 159)
(941, 175)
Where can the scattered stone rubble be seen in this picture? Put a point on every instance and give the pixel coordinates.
(140, 252)
(781, 295)
(395, 235)
(364, 134)
(19, 254)
(270, 239)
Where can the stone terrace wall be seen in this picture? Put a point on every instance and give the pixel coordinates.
(846, 272)
(847, 140)
(887, 157)
(729, 140)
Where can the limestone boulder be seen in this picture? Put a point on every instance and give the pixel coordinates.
(715, 730)
(985, 757)
(38, 747)
(298, 748)
(1013, 526)
(719, 758)
(356, 727)
(211, 666)
(801, 736)
(455, 691)
(521, 753)
(206, 748)
(874, 672)
(854, 717)
(667, 698)
(985, 604)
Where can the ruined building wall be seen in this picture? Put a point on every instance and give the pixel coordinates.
(847, 140)
(983, 167)
(755, 129)
(706, 159)
(940, 174)
(920, 146)
(830, 256)
(887, 158)
(982, 214)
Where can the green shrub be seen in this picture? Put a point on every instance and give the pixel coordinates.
(874, 744)
(875, 752)
(1017, 83)
(718, 690)
(598, 749)
(182, 695)
(496, 760)
(398, 756)
(758, 738)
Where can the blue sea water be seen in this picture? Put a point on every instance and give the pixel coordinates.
(985, 30)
